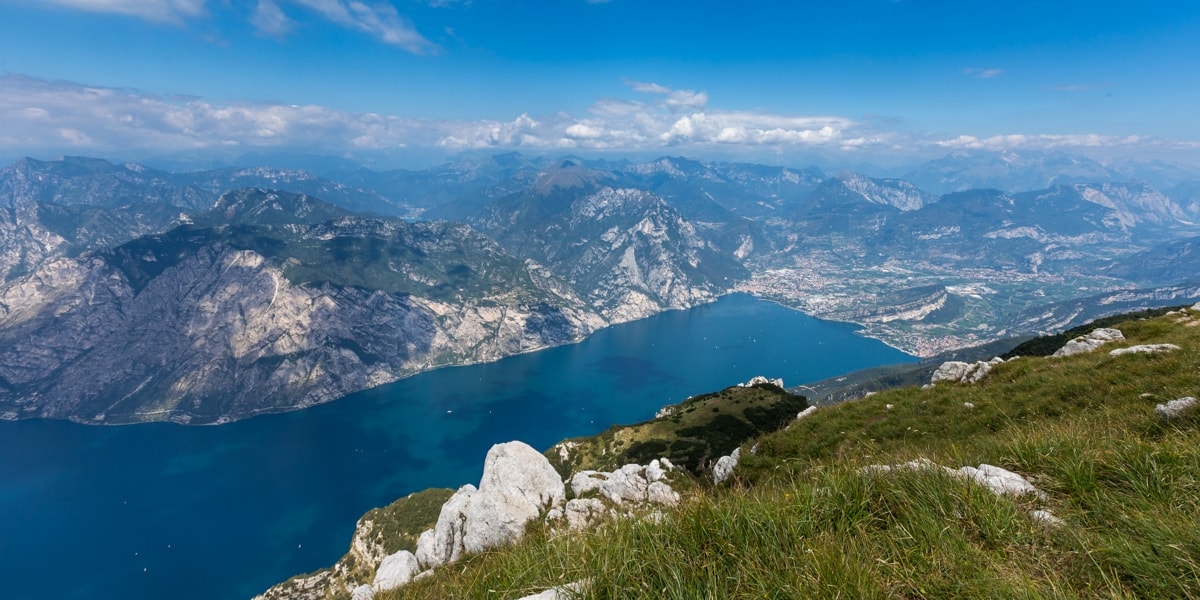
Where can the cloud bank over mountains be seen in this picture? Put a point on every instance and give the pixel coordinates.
(38, 115)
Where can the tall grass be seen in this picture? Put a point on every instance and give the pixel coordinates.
(803, 520)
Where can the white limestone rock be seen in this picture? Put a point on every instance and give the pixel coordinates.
(396, 570)
(957, 371)
(953, 371)
(515, 470)
(582, 513)
(998, 480)
(806, 412)
(363, 592)
(626, 484)
(442, 545)
(1001, 481)
(586, 481)
(517, 486)
(654, 471)
(725, 465)
(659, 492)
(1089, 342)
(1175, 408)
(1145, 349)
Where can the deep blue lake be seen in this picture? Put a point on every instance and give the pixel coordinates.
(166, 511)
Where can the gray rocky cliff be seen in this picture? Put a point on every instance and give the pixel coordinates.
(223, 334)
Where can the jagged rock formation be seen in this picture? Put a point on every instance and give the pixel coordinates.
(518, 485)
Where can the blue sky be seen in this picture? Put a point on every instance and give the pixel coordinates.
(854, 80)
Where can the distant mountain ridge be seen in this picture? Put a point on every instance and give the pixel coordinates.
(533, 252)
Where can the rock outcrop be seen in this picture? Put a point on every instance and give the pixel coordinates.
(631, 484)
(1087, 343)
(963, 372)
(517, 486)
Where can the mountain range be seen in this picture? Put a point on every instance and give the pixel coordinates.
(131, 294)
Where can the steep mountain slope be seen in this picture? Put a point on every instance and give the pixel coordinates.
(625, 250)
(210, 324)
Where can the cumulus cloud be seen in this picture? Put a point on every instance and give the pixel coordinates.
(53, 116)
(162, 11)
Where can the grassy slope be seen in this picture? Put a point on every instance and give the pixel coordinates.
(697, 432)
(801, 521)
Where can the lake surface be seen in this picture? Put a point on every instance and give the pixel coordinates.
(166, 511)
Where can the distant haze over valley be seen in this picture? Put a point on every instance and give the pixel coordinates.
(131, 293)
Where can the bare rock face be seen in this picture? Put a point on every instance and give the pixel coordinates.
(223, 334)
(518, 486)
(444, 543)
(1091, 341)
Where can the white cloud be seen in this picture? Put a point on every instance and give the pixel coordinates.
(163, 11)
(676, 99)
(53, 116)
(378, 19)
(1017, 141)
(269, 19)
